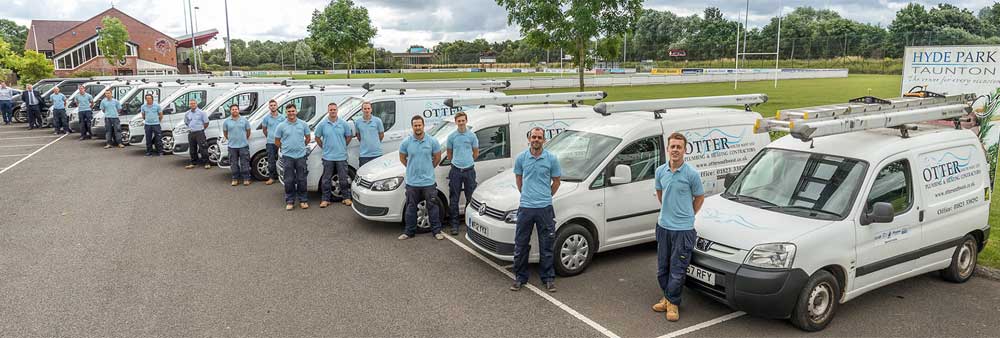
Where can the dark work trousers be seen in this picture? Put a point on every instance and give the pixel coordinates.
(113, 131)
(272, 161)
(34, 114)
(413, 197)
(199, 147)
(86, 122)
(154, 137)
(543, 220)
(673, 255)
(459, 181)
(60, 122)
(338, 168)
(294, 175)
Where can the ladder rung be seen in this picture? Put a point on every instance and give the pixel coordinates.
(806, 130)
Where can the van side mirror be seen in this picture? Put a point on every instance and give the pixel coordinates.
(882, 212)
(729, 179)
(215, 116)
(623, 175)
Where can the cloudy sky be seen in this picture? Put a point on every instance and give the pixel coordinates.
(403, 22)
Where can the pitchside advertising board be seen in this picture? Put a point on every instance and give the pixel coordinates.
(956, 70)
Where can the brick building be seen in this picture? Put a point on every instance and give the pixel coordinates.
(72, 46)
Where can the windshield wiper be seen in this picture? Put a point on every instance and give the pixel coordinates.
(740, 198)
(571, 180)
(801, 208)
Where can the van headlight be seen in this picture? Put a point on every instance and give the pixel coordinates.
(771, 256)
(510, 217)
(135, 123)
(388, 184)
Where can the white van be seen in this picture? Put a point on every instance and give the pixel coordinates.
(93, 88)
(131, 103)
(252, 101)
(844, 206)
(395, 110)
(378, 194)
(174, 106)
(606, 200)
(118, 90)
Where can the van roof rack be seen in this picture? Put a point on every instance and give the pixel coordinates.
(867, 113)
(509, 100)
(148, 77)
(262, 80)
(490, 85)
(341, 82)
(659, 106)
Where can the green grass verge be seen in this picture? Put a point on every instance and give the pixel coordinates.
(991, 255)
(423, 76)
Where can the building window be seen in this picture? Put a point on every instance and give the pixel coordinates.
(81, 54)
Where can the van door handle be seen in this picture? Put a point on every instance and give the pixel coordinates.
(921, 215)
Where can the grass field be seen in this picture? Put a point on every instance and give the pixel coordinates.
(791, 94)
(423, 76)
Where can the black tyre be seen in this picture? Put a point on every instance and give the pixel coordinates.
(817, 303)
(258, 166)
(423, 217)
(214, 152)
(573, 249)
(167, 140)
(963, 261)
(126, 135)
(20, 116)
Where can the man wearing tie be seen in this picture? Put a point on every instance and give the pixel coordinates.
(33, 100)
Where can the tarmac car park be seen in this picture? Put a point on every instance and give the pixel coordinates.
(396, 109)
(378, 194)
(605, 200)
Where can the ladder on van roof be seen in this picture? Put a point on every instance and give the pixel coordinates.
(507, 101)
(867, 113)
(491, 85)
(660, 106)
(340, 82)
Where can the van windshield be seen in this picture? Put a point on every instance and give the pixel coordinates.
(798, 183)
(580, 152)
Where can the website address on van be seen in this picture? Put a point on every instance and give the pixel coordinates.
(955, 189)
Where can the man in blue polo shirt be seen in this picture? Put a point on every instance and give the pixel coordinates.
(113, 132)
(84, 101)
(333, 135)
(291, 137)
(370, 132)
(537, 173)
(236, 129)
(269, 125)
(197, 120)
(152, 114)
(60, 123)
(420, 154)
(463, 149)
(679, 190)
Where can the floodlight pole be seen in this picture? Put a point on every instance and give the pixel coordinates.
(229, 39)
(194, 55)
(777, 49)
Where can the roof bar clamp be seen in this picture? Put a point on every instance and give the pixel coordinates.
(658, 114)
(869, 100)
(506, 107)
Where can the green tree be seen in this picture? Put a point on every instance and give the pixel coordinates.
(990, 17)
(4, 56)
(341, 29)
(303, 55)
(14, 34)
(31, 67)
(571, 23)
(112, 40)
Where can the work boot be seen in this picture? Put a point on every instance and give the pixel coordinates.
(662, 305)
(289, 207)
(121, 146)
(673, 313)
(235, 183)
(303, 205)
(346, 202)
(189, 166)
(269, 181)
(324, 204)
(439, 236)
(107, 146)
(403, 237)
(246, 182)
(208, 166)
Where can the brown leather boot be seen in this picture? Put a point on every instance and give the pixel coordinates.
(673, 313)
(661, 306)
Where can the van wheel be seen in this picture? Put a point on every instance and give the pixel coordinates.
(423, 216)
(258, 166)
(126, 135)
(167, 140)
(963, 261)
(20, 116)
(573, 249)
(817, 302)
(214, 152)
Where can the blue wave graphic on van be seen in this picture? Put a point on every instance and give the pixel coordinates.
(963, 162)
(725, 218)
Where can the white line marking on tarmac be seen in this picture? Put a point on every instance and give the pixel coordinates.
(32, 154)
(13, 155)
(508, 266)
(24, 137)
(703, 325)
(16, 131)
(23, 145)
(544, 295)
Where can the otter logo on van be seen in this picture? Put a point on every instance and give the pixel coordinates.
(436, 110)
(944, 166)
(950, 171)
(726, 218)
(714, 140)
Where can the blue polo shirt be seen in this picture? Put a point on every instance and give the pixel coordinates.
(152, 113)
(334, 136)
(84, 101)
(110, 107)
(461, 144)
(237, 130)
(58, 101)
(371, 145)
(536, 177)
(419, 157)
(679, 189)
(196, 119)
(293, 137)
(271, 123)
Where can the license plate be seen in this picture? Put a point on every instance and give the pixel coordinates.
(481, 229)
(701, 274)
